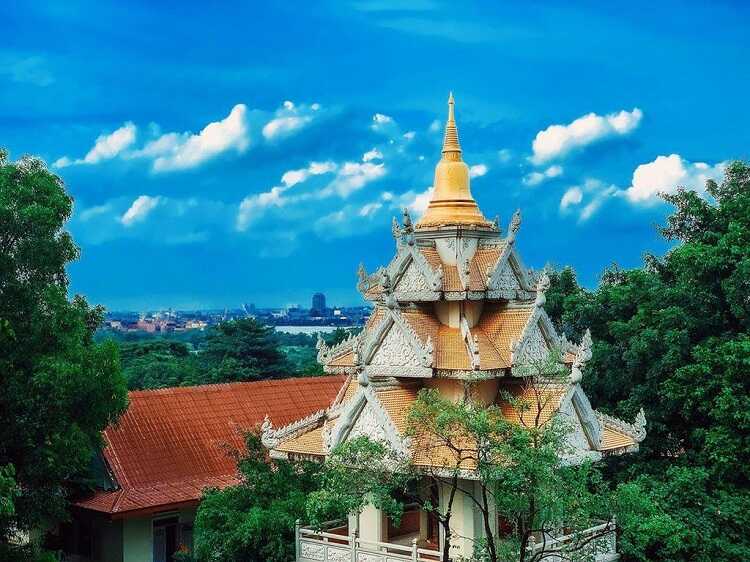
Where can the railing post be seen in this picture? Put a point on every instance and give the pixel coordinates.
(297, 524)
(414, 553)
(353, 541)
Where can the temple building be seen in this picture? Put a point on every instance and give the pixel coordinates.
(455, 310)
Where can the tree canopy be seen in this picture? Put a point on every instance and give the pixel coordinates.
(673, 337)
(59, 387)
(254, 521)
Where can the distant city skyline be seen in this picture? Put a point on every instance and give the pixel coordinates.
(257, 152)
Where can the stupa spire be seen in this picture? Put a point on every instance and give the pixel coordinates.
(452, 203)
(450, 140)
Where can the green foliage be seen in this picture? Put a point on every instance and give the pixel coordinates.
(59, 387)
(244, 350)
(254, 521)
(674, 337)
(9, 491)
(159, 364)
(378, 478)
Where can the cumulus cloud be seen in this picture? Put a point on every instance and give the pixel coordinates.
(416, 202)
(254, 206)
(478, 170)
(535, 178)
(180, 152)
(666, 173)
(384, 124)
(106, 147)
(373, 154)
(572, 196)
(558, 140)
(139, 209)
(289, 119)
(353, 176)
(293, 177)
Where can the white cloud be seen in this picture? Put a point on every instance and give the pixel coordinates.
(478, 170)
(505, 155)
(535, 178)
(253, 206)
(186, 151)
(384, 124)
(106, 147)
(416, 202)
(92, 212)
(435, 126)
(289, 119)
(373, 154)
(557, 140)
(139, 209)
(572, 196)
(370, 209)
(596, 202)
(293, 177)
(666, 173)
(353, 176)
(409, 135)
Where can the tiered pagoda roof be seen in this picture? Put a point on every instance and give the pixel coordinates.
(453, 307)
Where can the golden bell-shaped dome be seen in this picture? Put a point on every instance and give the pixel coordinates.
(452, 203)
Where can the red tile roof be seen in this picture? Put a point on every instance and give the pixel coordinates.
(172, 443)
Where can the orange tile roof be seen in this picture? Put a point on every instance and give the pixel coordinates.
(173, 442)
(484, 259)
(308, 443)
(531, 400)
(613, 439)
(503, 325)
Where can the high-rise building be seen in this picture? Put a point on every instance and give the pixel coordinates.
(318, 307)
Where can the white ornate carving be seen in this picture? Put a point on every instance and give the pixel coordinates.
(582, 357)
(515, 224)
(339, 555)
(395, 350)
(369, 557)
(412, 281)
(542, 286)
(635, 430)
(532, 348)
(503, 279)
(268, 434)
(312, 551)
(367, 425)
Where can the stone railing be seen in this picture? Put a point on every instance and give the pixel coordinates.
(321, 546)
(595, 544)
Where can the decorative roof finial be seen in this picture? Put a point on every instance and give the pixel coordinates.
(582, 357)
(515, 224)
(450, 140)
(408, 226)
(541, 288)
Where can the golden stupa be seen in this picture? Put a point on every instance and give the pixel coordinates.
(452, 203)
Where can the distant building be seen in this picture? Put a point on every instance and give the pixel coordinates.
(318, 307)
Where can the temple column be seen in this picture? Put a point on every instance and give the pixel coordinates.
(372, 524)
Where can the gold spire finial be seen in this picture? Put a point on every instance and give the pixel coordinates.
(451, 146)
(451, 203)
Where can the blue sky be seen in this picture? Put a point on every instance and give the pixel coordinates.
(256, 152)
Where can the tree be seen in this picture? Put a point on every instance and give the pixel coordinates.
(244, 350)
(254, 521)
(59, 387)
(517, 460)
(674, 337)
(158, 364)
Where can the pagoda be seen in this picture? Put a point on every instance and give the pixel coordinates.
(455, 310)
